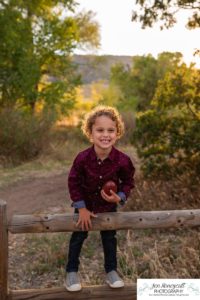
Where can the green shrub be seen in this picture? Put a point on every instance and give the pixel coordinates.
(22, 135)
(168, 135)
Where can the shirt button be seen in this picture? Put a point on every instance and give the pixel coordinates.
(99, 162)
(100, 177)
(99, 187)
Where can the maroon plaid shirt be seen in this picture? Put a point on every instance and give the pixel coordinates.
(88, 174)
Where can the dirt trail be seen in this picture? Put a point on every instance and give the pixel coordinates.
(35, 194)
(44, 194)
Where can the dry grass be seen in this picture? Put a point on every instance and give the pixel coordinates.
(172, 253)
(141, 254)
(177, 193)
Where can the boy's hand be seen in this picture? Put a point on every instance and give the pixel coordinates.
(114, 198)
(85, 218)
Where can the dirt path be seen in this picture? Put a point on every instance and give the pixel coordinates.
(44, 194)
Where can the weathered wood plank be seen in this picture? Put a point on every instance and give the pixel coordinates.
(87, 293)
(3, 251)
(105, 221)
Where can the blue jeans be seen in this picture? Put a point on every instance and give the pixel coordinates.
(109, 242)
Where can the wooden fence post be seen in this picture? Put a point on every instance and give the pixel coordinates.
(3, 251)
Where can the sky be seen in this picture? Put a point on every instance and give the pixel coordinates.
(121, 36)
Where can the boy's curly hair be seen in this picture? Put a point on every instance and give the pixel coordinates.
(98, 111)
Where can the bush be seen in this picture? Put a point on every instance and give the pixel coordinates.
(168, 135)
(22, 135)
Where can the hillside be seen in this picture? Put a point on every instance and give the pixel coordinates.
(94, 68)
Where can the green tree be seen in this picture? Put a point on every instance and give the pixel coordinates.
(165, 11)
(138, 83)
(168, 135)
(37, 42)
(121, 80)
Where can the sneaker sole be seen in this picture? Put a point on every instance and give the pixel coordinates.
(73, 288)
(118, 284)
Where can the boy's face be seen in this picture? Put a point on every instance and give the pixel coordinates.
(104, 133)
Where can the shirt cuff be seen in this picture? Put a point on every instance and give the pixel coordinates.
(79, 204)
(123, 198)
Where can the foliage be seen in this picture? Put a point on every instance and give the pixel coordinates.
(37, 41)
(137, 84)
(121, 78)
(111, 96)
(38, 77)
(165, 11)
(168, 134)
(23, 135)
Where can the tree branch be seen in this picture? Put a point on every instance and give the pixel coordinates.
(193, 113)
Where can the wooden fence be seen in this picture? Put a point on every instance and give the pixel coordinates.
(66, 222)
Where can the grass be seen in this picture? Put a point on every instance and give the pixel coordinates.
(162, 254)
(53, 247)
(36, 168)
(56, 159)
(141, 253)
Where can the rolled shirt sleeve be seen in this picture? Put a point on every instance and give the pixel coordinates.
(122, 197)
(79, 204)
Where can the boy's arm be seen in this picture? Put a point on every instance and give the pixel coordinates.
(75, 181)
(127, 172)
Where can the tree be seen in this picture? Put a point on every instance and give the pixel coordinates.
(165, 12)
(121, 81)
(138, 83)
(168, 135)
(37, 43)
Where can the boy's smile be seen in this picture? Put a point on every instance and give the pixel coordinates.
(104, 134)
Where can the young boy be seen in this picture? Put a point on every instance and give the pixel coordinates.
(91, 169)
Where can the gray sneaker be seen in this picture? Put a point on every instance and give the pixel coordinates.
(113, 280)
(72, 282)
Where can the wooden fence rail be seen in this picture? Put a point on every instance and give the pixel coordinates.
(87, 293)
(38, 223)
(104, 221)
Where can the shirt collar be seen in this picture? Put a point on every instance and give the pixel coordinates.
(111, 155)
